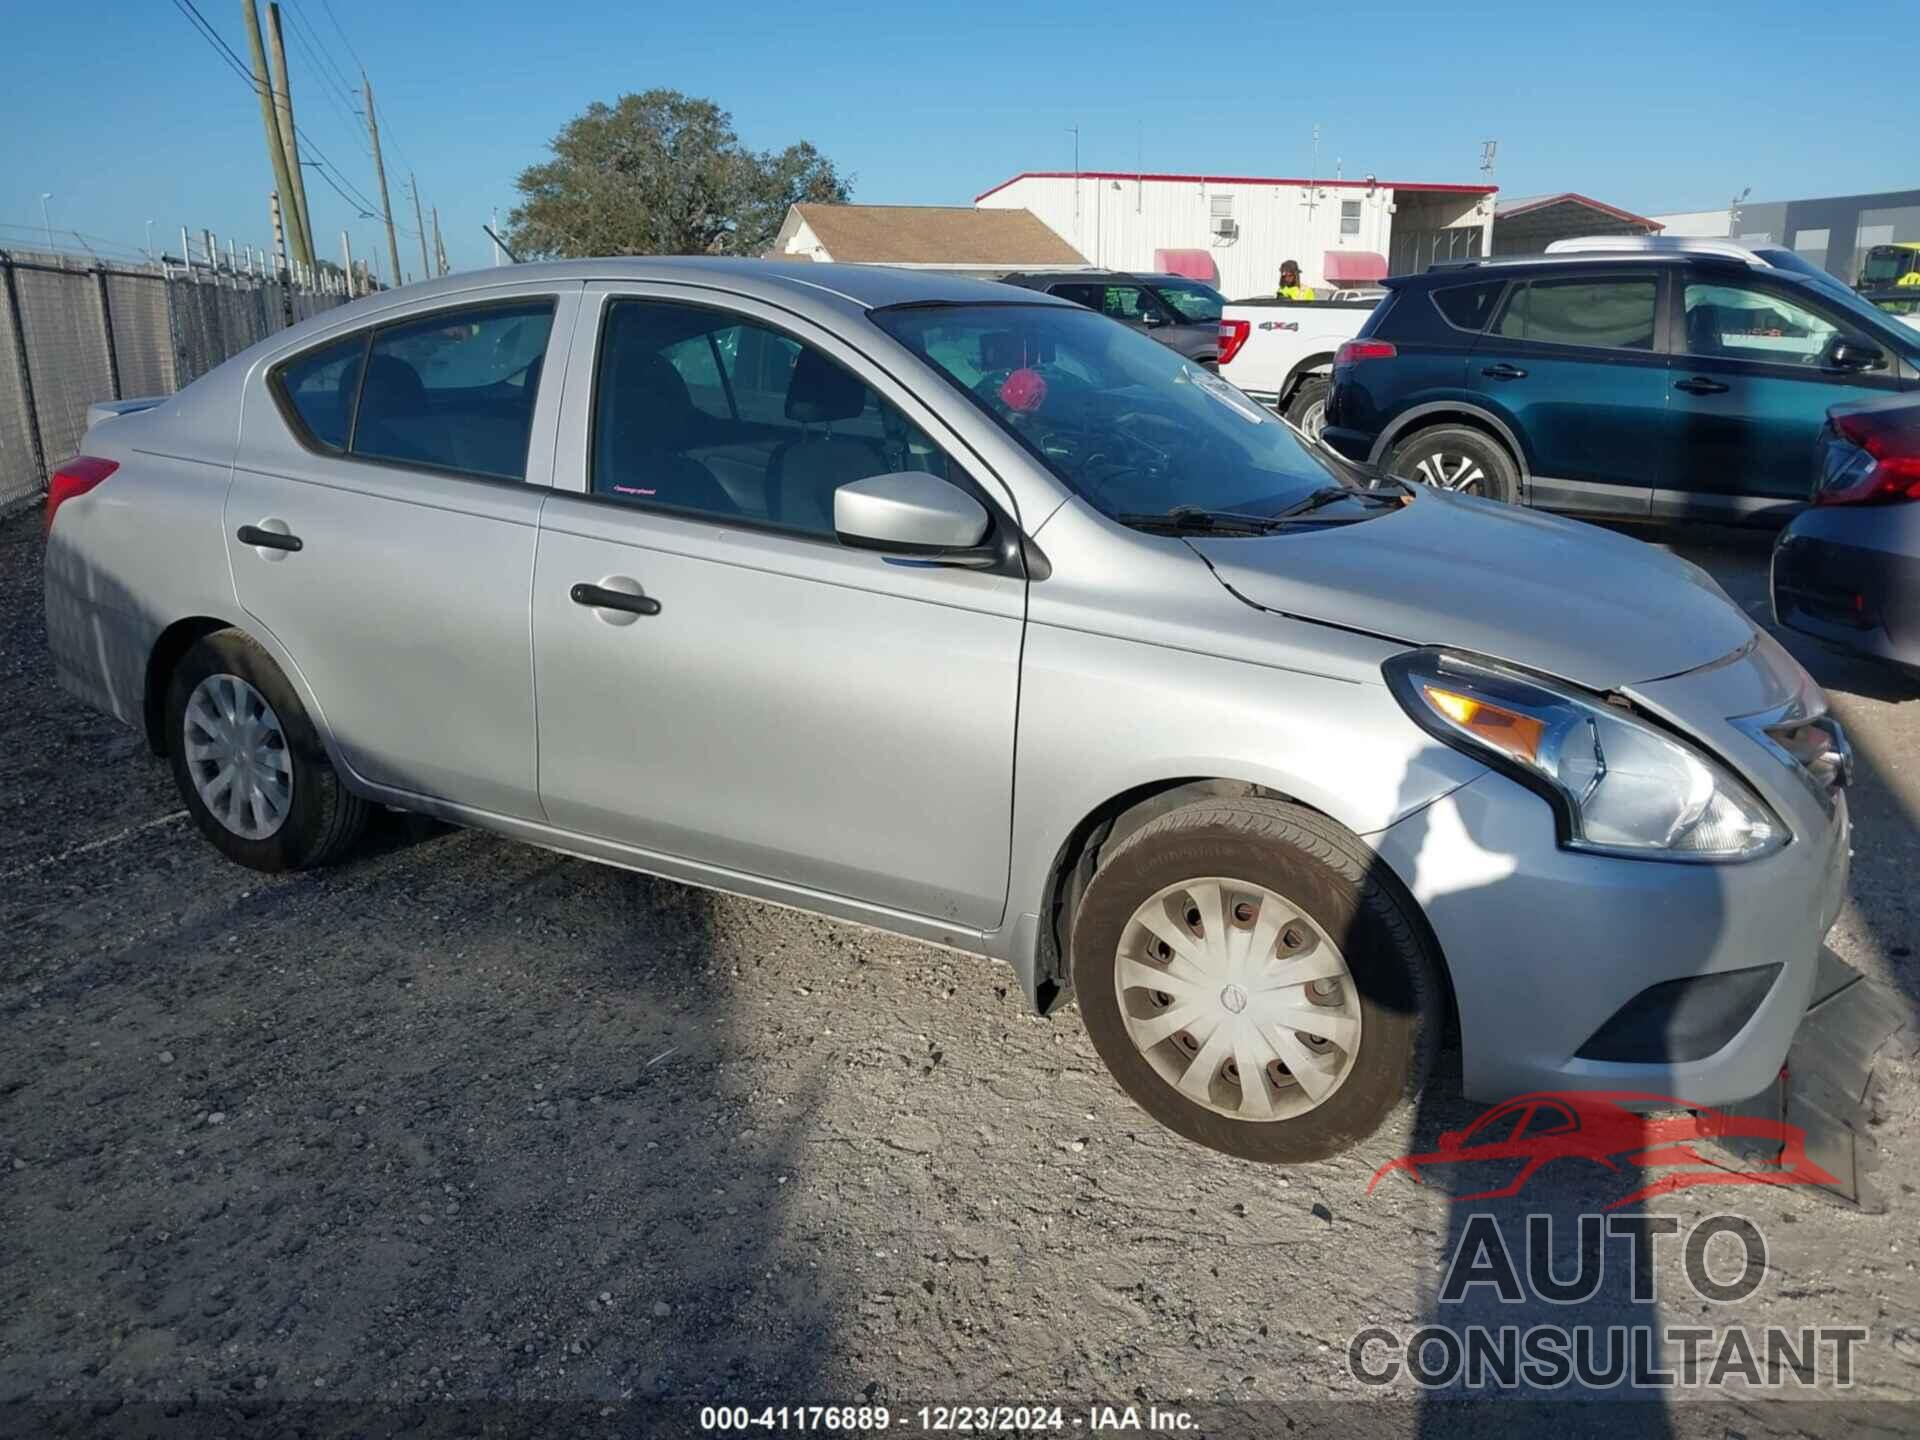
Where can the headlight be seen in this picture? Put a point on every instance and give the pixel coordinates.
(1618, 785)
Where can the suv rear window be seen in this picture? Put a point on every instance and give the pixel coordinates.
(1468, 307)
(1612, 313)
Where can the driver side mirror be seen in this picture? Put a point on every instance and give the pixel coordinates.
(1853, 356)
(912, 513)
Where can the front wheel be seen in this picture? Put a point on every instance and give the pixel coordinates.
(1459, 458)
(1254, 981)
(250, 767)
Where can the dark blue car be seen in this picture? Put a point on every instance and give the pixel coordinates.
(1674, 383)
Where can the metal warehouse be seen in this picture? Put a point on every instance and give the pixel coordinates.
(1341, 231)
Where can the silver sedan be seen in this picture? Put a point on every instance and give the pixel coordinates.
(966, 613)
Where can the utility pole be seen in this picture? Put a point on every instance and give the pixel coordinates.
(346, 251)
(270, 123)
(439, 246)
(380, 174)
(426, 265)
(492, 232)
(289, 135)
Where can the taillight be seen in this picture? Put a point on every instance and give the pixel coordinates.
(1870, 457)
(1233, 334)
(1354, 351)
(76, 477)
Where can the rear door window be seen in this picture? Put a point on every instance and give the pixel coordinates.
(1094, 297)
(455, 390)
(1603, 312)
(1129, 303)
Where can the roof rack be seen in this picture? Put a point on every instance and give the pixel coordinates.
(1661, 245)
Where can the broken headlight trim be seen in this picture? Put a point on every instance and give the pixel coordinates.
(1617, 784)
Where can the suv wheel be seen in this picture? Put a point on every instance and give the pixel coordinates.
(250, 766)
(1254, 982)
(1456, 457)
(1308, 409)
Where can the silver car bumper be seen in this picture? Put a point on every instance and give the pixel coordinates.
(1545, 945)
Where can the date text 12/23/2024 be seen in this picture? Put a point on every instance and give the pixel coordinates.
(946, 1419)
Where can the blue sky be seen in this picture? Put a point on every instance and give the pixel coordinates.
(124, 112)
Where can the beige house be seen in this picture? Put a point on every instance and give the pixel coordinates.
(923, 237)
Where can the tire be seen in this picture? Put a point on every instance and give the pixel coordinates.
(1437, 455)
(1308, 409)
(1333, 883)
(318, 819)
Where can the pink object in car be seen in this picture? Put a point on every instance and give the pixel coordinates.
(1024, 390)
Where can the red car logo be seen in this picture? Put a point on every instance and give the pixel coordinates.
(1607, 1128)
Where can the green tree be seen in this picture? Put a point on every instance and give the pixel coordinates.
(661, 173)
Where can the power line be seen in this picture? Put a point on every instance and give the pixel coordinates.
(343, 34)
(339, 76)
(386, 123)
(212, 37)
(339, 177)
(337, 96)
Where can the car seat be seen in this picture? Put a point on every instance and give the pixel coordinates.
(804, 473)
(648, 420)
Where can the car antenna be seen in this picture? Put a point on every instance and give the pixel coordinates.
(501, 243)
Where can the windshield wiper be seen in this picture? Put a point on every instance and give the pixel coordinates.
(1196, 520)
(1193, 520)
(1334, 494)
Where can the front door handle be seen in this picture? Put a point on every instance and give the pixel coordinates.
(268, 539)
(599, 597)
(1504, 371)
(1700, 385)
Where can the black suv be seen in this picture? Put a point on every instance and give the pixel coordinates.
(1631, 384)
(1180, 313)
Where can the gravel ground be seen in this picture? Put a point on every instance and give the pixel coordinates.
(464, 1120)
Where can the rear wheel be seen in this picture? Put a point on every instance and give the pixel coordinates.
(1308, 409)
(1458, 458)
(249, 764)
(1254, 982)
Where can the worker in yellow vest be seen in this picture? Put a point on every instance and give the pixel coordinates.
(1290, 286)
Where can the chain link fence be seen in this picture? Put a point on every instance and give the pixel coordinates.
(74, 331)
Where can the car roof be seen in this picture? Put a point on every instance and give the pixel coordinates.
(867, 286)
(1048, 277)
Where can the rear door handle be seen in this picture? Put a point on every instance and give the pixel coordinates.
(1700, 385)
(1504, 372)
(268, 539)
(599, 597)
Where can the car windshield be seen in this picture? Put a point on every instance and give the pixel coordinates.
(1192, 301)
(1884, 265)
(1124, 421)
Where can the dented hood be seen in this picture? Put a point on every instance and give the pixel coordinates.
(1571, 600)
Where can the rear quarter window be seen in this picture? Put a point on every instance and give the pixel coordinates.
(1468, 307)
(319, 387)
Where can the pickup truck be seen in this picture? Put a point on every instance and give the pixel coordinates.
(1281, 351)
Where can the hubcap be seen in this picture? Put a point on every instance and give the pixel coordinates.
(1237, 999)
(237, 754)
(1315, 420)
(1446, 471)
